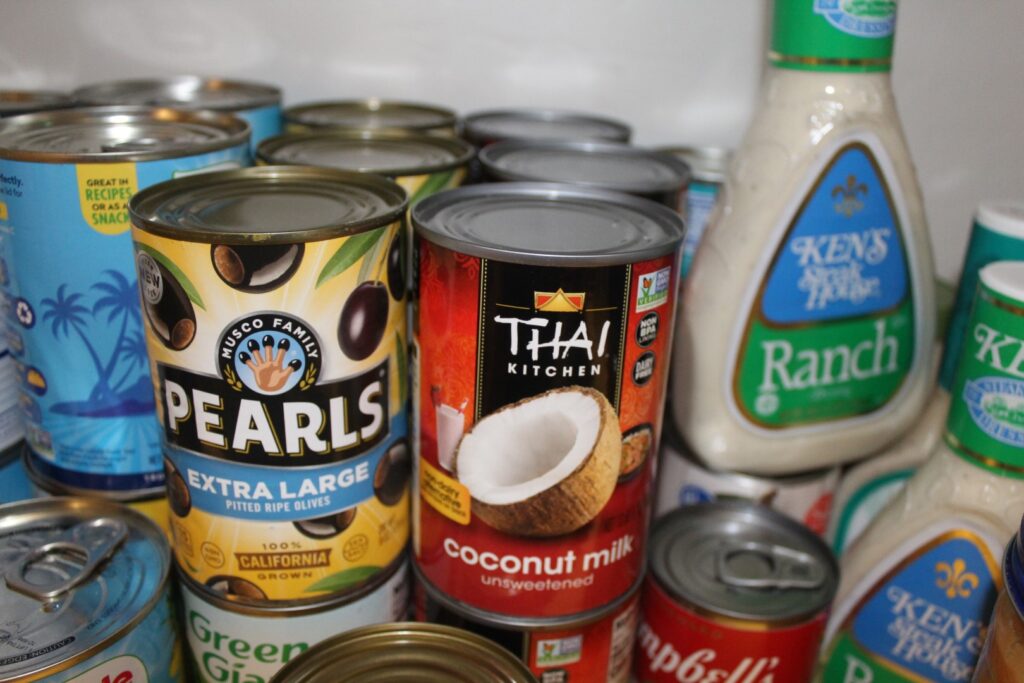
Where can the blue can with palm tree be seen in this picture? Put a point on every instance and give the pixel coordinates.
(73, 315)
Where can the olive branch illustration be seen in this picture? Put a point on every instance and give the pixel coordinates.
(232, 379)
(307, 381)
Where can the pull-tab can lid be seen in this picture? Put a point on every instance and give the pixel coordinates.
(741, 560)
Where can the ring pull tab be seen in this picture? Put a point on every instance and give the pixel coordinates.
(770, 566)
(98, 551)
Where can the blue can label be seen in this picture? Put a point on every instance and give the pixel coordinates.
(265, 122)
(14, 481)
(700, 200)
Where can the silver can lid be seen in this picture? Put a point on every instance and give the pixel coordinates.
(115, 134)
(606, 165)
(484, 127)
(393, 153)
(370, 114)
(548, 224)
(14, 102)
(182, 92)
(741, 560)
(709, 164)
(267, 205)
(78, 573)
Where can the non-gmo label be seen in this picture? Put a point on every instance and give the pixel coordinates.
(652, 289)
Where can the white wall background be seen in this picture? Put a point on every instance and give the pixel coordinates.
(680, 71)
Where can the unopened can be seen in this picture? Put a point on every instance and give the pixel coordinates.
(228, 641)
(86, 596)
(683, 480)
(276, 328)
(482, 128)
(596, 647)
(14, 102)
(258, 104)
(736, 592)
(371, 114)
(407, 652)
(542, 336)
(74, 327)
(14, 481)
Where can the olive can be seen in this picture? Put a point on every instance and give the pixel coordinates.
(232, 642)
(74, 328)
(482, 128)
(86, 596)
(409, 652)
(14, 480)
(258, 104)
(14, 102)
(275, 308)
(735, 592)
(543, 328)
(371, 114)
(597, 647)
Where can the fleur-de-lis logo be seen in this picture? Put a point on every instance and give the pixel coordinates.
(850, 203)
(955, 579)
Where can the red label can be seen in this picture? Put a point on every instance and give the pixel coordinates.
(540, 382)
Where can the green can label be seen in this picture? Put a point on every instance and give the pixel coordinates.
(833, 35)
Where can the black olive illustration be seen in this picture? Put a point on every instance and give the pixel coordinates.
(392, 476)
(396, 266)
(328, 525)
(178, 496)
(234, 587)
(256, 268)
(364, 317)
(172, 317)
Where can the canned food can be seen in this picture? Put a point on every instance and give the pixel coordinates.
(14, 102)
(87, 595)
(14, 481)
(545, 315)
(258, 104)
(736, 592)
(275, 323)
(682, 480)
(232, 642)
(485, 127)
(708, 166)
(371, 114)
(74, 326)
(597, 648)
(605, 165)
(407, 652)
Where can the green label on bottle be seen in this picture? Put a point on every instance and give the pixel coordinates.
(833, 35)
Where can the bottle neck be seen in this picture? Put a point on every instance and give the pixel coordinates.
(833, 35)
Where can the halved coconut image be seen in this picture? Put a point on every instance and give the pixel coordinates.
(544, 466)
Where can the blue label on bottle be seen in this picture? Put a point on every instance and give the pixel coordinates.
(700, 200)
(265, 122)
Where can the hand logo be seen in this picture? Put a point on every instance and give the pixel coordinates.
(267, 368)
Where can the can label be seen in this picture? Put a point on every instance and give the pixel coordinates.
(678, 644)
(74, 328)
(560, 372)
(700, 201)
(264, 122)
(14, 482)
(422, 186)
(281, 375)
(233, 646)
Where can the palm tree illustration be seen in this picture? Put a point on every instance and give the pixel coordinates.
(65, 314)
(134, 349)
(121, 298)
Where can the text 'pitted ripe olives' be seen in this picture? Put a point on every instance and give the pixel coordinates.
(284, 417)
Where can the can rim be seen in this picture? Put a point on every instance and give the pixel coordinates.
(475, 123)
(446, 118)
(23, 100)
(54, 488)
(260, 94)
(707, 163)
(237, 133)
(142, 205)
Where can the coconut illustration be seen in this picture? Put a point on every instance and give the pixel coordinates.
(544, 466)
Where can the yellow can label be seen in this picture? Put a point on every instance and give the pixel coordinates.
(281, 385)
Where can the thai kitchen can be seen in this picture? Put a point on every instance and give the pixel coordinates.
(604, 165)
(683, 480)
(86, 596)
(276, 326)
(14, 102)
(74, 327)
(485, 127)
(408, 652)
(258, 104)
(371, 114)
(596, 647)
(542, 337)
(14, 481)
(228, 641)
(736, 592)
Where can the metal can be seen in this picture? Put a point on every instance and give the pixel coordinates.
(275, 321)
(484, 127)
(407, 652)
(232, 642)
(736, 592)
(14, 481)
(87, 597)
(708, 166)
(683, 480)
(14, 102)
(543, 328)
(371, 114)
(258, 104)
(596, 648)
(65, 248)
(605, 165)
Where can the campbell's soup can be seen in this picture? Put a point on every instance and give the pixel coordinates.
(595, 647)
(735, 592)
(542, 332)
(371, 115)
(14, 481)
(275, 309)
(74, 328)
(86, 596)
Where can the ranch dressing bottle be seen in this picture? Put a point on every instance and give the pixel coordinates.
(917, 588)
(808, 316)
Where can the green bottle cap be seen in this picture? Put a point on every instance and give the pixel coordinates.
(833, 35)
